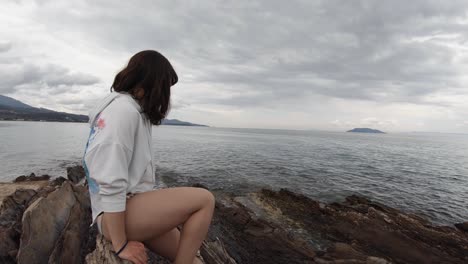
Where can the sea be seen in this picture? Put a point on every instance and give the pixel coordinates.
(422, 173)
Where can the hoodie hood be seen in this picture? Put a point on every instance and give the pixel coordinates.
(94, 112)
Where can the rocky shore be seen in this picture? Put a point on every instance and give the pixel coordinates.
(47, 221)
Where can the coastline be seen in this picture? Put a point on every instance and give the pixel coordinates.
(260, 227)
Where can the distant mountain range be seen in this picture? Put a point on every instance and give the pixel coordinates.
(12, 109)
(365, 130)
(175, 122)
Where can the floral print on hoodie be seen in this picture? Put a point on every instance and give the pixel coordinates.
(99, 125)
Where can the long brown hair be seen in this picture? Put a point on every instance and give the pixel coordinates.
(151, 71)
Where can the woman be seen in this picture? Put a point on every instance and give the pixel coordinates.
(119, 170)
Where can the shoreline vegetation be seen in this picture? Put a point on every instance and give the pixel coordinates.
(15, 110)
(165, 122)
(47, 221)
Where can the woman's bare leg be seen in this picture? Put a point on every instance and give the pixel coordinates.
(167, 244)
(154, 213)
(194, 232)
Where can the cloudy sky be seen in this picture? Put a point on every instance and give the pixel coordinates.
(328, 65)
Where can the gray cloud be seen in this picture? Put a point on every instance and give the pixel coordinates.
(16, 74)
(5, 46)
(265, 53)
(395, 51)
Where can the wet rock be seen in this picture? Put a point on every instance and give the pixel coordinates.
(32, 177)
(76, 173)
(462, 226)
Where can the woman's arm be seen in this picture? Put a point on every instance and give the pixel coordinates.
(115, 223)
(133, 251)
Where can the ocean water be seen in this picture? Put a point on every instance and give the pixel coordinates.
(421, 173)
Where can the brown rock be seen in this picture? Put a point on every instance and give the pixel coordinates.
(32, 177)
(43, 222)
(75, 173)
(9, 188)
(251, 232)
(262, 227)
(68, 245)
(103, 254)
(211, 252)
(285, 227)
(215, 252)
(376, 260)
(58, 181)
(345, 251)
(11, 212)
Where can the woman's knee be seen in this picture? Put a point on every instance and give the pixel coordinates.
(207, 197)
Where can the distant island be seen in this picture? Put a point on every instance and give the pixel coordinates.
(365, 130)
(175, 122)
(14, 110)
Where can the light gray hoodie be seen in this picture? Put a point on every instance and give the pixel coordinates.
(118, 155)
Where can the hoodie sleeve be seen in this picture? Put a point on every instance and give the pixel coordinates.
(108, 157)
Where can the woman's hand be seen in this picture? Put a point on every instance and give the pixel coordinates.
(113, 225)
(135, 252)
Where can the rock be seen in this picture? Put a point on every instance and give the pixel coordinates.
(54, 227)
(75, 173)
(20, 178)
(199, 185)
(375, 260)
(211, 252)
(50, 224)
(253, 233)
(462, 226)
(32, 177)
(58, 181)
(345, 251)
(43, 222)
(214, 252)
(70, 246)
(285, 227)
(11, 212)
(9, 188)
(103, 254)
(17, 200)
